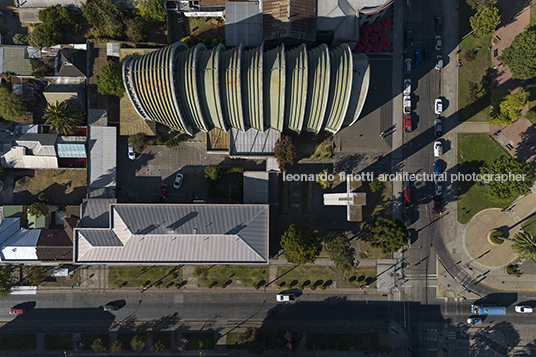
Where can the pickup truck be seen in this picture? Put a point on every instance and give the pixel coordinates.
(488, 310)
(407, 104)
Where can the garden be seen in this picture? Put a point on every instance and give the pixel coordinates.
(236, 275)
(144, 276)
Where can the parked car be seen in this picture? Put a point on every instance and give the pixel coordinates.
(407, 104)
(439, 62)
(438, 148)
(163, 193)
(474, 321)
(407, 86)
(426, 54)
(438, 188)
(438, 106)
(131, 153)
(418, 56)
(438, 127)
(406, 195)
(407, 123)
(178, 181)
(523, 309)
(438, 43)
(285, 297)
(437, 204)
(17, 310)
(111, 306)
(407, 66)
(409, 36)
(437, 167)
(438, 23)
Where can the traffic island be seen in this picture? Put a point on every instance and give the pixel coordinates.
(496, 237)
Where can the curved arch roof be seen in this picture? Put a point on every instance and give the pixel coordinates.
(296, 88)
(230, 87)
(252, 80)
(209, 87)
(317, 88)
(274, 87)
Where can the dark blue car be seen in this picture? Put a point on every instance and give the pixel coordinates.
(418, 56)
(426, 54)
(437, 167)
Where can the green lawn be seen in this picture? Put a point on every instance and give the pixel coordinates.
(88, 338)
(232, 341)
(365, 275)
(137, 276)
(304, 275)
(476, 150)
(18, 342)
(201, 25)
(199, 340)
(530, 225)
(532, 14)
(239, 275)
(324, 341)
(59, 341)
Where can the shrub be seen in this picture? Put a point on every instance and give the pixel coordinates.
(158, 346)
(284, 152)
(531, 114)
(223, 286)
(313, 287)
(160, 141)
(117, 347)
(98, 346)
(512, 269)
(301, 287)
(279, 286)
(375, 185)
(322, 287)
(38, 209)
(43, 197)
(470, 55)
(256, 286)
(138, 142)
(212, 172)
(20, 39)
(172, 143)
(36, 276)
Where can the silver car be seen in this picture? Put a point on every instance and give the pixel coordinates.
(439, 62)
(474, 321)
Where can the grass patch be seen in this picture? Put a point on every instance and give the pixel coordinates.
(361, 277)
(137, 276)
(325, 341)
(237, 274)
(473, 151)
(203, 26)
(367, 251)
(326, 236)
(88, 338)
(532, 14)
(305, 275)
(199, 340)
(59, 341)
(18, 342)
(496, 237)
(379, 203)
(232, 341)
(324, 150)
(313, 147)
(530, 225)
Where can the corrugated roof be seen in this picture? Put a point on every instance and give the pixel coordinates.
(8, 227)
(14, 59)
(252, 68)
(12, 254)
(230, 87)
(243, 23)
(340, 87)
(318, 85)
(274, 87)
(296, 88)
(47, 3)
(29, 15)
(253, 142)
(36, 222)
(173, 233)
(102, 156)
(96, 212)
(13, 211)
(209, 87)
(256, 185)
(71, 150)
(289, 18)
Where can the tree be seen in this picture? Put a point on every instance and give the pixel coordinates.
(341, 252)
(158, 346)
(324, 179)
(506, 169)
(301, 245)
(98, 346)
(476, 4)
(507, 106)
(105, 16)
(117, 347)
(39, 68)
(257, 341)
(36, 276)
(524, 245)
(44, 36)
(11, 106)
(154, 9)
(284, 151)
(7, 280)
(135, 32)
(375, 185)
(520, 56)
(137, 343)
(63, 117)
(109, 80)
(138, 142)
(38, 209)
(60, 18)
(486, 19)
(20, 39)
(43, 197)
(389, 236)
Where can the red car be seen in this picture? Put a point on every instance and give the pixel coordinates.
(437, 204)
(163, 193)
(17, 310)
(407, 123)
(406, 194)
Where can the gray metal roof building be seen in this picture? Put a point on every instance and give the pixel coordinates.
(177, 233)
(243, 23)
(102, 145)
(195, 88)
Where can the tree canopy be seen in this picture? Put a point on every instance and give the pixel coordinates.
(7, 280)
(524, 245)
(39, 68)
(43, 36)
(510, 187)
(11, 106)
(477, 4)
(520, 56)
(63, 117)
(38, 209)
(105, 16)
(284, 151)
(56, 20)
(341, 252)
(153, 9)
(301, 245)
(507, 106)
(139, 142)
(109, 80)
(388, 235)
(486, 19)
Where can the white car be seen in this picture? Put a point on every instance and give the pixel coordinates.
(438, 43)
(407, 104)
(438, 62)
(438, 188)
(523, 309)
(285, 297)
(407, 86)
(474, 321)
(178, 181)
(131, 153)
(438, 149)
(438, 106)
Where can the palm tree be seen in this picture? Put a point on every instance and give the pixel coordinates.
(524, 245)
(63, 117)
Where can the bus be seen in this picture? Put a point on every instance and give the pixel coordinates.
(488, 310)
